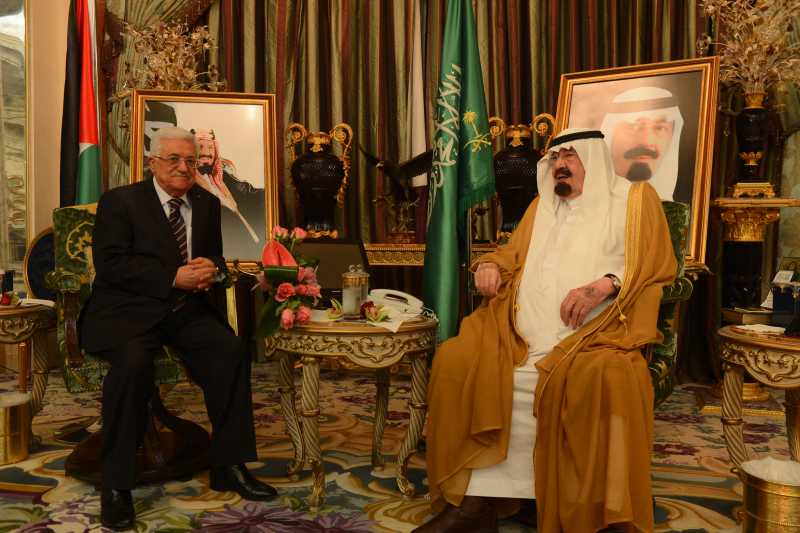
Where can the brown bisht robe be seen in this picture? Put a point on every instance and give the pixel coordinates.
(594, 401)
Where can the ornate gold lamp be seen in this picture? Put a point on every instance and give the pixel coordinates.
(319, 176)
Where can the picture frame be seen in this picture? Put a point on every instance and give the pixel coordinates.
(659, 120)
(237, 159)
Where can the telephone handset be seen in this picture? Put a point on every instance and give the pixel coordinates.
(400, 301)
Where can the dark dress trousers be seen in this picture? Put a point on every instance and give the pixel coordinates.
(134, 310)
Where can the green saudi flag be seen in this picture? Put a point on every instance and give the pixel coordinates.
(462, 173)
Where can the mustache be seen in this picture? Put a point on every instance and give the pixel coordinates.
(562, 173)
(639, 151)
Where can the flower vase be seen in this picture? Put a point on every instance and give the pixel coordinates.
(751, 135)
(515, 176)
(319, 176)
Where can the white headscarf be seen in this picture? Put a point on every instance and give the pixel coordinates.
(651, 101)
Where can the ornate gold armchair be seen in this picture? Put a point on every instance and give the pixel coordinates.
(172, 447)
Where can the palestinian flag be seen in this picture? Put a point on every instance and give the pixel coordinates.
(81, 182)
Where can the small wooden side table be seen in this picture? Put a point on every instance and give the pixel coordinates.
(366, 347)
(23, 326)
(773, 360)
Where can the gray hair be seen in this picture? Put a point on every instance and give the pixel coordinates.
(171, 133)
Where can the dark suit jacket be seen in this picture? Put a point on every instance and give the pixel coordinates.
(136, 258)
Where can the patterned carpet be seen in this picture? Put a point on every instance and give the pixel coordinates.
(693, 487)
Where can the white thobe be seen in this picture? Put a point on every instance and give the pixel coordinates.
(538, 321)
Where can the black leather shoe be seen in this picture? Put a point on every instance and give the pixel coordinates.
(116, 509)
(238, 479)
(476, 515)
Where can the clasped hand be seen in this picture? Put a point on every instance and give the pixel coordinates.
(197, 275)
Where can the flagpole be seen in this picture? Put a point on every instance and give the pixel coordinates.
(468, 303)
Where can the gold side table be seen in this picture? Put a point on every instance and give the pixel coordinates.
(25, 326)
(773, 360)
(364, 346)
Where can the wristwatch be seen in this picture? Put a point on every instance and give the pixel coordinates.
(615, 282)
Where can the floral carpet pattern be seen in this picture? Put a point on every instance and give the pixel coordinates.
(692, 483)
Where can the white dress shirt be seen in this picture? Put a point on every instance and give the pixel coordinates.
(186, 212)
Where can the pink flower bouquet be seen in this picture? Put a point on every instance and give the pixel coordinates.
(289, 283)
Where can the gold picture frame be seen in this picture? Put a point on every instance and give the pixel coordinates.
(675, 99)
(239, 130)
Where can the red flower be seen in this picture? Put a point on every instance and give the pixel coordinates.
(301, 290)
(303, 314)
(276, 254)
(367, 306)
(299, 234)
(306, 274)
(285, 290)
(287, 318)
(312, 289)
(279, 232)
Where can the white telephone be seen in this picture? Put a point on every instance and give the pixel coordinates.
(396, 300)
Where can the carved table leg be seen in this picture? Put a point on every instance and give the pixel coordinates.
(793, 421)
(732, 413)
(40, 373)
(310, 415)
(418, 408)
(381, 410)
(286, 389)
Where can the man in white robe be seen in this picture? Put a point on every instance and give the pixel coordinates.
(573, 270)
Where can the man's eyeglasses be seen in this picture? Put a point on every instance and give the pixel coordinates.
(175, 160)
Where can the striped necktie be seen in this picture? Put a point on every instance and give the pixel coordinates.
(178, 226)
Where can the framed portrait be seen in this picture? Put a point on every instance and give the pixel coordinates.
(658, 120)
(236, 159)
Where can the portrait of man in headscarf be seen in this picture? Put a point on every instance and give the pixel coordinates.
(217, 175)
(643, 130)
(230, 164)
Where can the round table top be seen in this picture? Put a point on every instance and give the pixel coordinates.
(358, 327)
(363, 344)
(778, 342)
(14, 311)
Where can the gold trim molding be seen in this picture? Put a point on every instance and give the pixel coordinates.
(390, 254)
(749, 189)
(746, 219)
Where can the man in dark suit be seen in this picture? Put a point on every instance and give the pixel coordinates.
(157, 249)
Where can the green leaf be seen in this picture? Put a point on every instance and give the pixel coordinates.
(280, 274)
(267, 322)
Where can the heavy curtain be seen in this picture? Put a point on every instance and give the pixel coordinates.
(349, 60)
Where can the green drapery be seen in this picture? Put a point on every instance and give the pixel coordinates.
(349, 60)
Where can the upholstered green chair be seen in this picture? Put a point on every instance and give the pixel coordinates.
(662, 357)
(172, 448)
